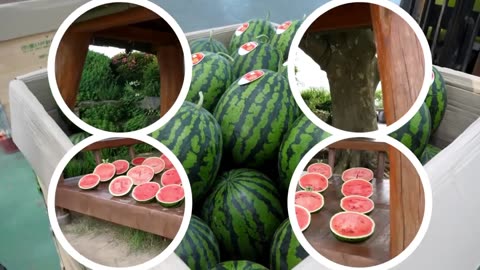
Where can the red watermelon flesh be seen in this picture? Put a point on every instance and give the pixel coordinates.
(120, 186)
(121, 166)
(355, 203)
(351, 225)
(171, 194)
(358, 187)
(89, 181)
(303, 217)
(168, 163)
(106, 171)
(313, 182)
(138, 161)
(156, 163)
(170, 177)
(141, 174)
(357, 173)
(320, 168)
(312, 201)
(146, 191)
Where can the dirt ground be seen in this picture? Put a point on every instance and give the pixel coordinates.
(110, 244)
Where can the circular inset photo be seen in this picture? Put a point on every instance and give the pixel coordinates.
(359, 202)
(367, 73)
(119, 66)
(119, 202)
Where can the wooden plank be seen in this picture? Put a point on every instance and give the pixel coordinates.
(360, 144)
(129, 33)
(172, 71)
(112, 143)
(340, 18)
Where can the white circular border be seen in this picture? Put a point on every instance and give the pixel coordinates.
(392, 262)
(296, 89)
(87, 7)
(150, 264)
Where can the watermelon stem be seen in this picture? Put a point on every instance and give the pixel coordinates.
(264, 36)
(280, 65)
(211, 36)
(226, 56)
(200, 100)
(268, 16)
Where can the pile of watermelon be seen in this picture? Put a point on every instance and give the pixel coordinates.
(139, 180)
(239, 136)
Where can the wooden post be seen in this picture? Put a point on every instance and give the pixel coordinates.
(332, 152)
(402, 71)
(172, 70)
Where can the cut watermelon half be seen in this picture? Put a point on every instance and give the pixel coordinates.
(105, 170)
(138, 161)
(121, 166)
(171, 196)
(312, 201)
(145, 192)
(313, 182)
(141, 174)
(359, 204)
(358, 187)
(303, 217)
(120, 186)
(89, 181)
(170, 177)
(352, 226)
(168, 163)
(357, 173)
(321, 168)
(156, 163)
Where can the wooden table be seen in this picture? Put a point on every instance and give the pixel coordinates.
(374, 251)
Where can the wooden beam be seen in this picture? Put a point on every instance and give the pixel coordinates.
(130, 16)
(345, 17)
(137, 34)
(362, 144)
(172, 71)
(111, 143)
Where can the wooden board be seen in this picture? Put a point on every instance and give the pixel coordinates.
(340, 18)
(372, 252)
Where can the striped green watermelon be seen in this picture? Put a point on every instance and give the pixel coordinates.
(285, 252)
(284, 35)
(255, 55)
(211, 75)
(303, 135)
(254, 116)
(78, 137)
(415, 134)
(239, 265)
(250, 31)
(437, 99)
(429, 152)
(209, 44)
(244, 210)
(199, 247)
(195, 137)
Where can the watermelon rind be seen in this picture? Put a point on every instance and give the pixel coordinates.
(308, 188)
(118, 172)
(311, 166)
(429, 152)
(129, 173)
(239, 265)
(437, 100)
(356, 168)
(207, 44)
(89, 175)
(156, 170)
(349, 239)
(105, 164)
(165, 173)
(120, 194)
(360, 197)
(316, 210)
(170, 204)
(301, 208)
(352, 181)
(148, 199)
(286, 251)
(256, 28)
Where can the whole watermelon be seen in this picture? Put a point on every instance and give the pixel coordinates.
(199, 247)
(195, 138)
(415, 134)
(286, 252)
(263, 56)
(243, 211)
(252, 30)
(284, 34)
(254, 117)
(78, 137)
(303, 135)
(209, 44)
(429, 152)
(239, 265)
(437, 99)
(212, 75)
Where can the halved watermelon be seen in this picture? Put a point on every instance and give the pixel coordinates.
(120, 186)
(138, 161)
(312, 201)
(146, 191)
(121, 166)
(105, 170)
(359, 204)
(358, 187)
(303, 217)
(89, 181)
(168, 163)
(352, 226)
(141, 174)
(171, 196)
(313, 182)
(357, 173)
(170, 177)
(156, 163)
(321, 168)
